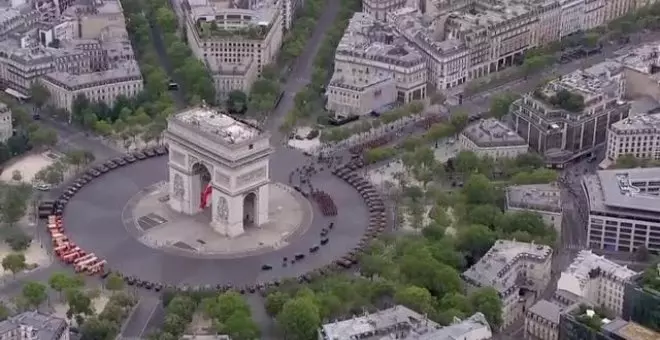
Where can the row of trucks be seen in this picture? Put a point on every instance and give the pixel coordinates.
(69, 253)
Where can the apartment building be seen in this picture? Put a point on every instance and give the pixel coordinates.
(543, 199)
(638, 136)
(123, 79)
(623, 209)
(496, 33)
(447, 60)
(224, 35)
(549, 26)
(492, 138)
(348, 96)
(34, 326)
(405, 324)
(597, 280)
(83, 49)
(6, 125)
(369, 47)
(289, 9)
(380, 8)
(569, 116)
(503, 266)
(542, 321)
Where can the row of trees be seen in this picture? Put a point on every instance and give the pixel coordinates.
(192, 74)
(228, 312)
(310, 100)
(337, 134)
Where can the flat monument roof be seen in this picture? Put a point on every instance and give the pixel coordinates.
(229, 129)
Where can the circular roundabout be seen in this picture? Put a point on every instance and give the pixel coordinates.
(319, 221)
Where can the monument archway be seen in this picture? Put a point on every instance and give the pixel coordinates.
(249, 209)
(220, 162)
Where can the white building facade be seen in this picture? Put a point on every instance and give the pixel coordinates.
(502, 265)
(224, 37)
(638, 136)
(597, 280)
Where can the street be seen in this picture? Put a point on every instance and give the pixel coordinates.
(301, 71)
(149, 312)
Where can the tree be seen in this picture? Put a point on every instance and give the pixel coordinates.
(487, 301)
(34, 293)
(114, 282)
(275, 302)
(475, 240)
(416, 298)
(459, 121)
(41, 137)
(174, 324)
(14, 263)
(79, 302)
(13, 202)
(183, 306)
(16, 175)
(166, 19)
(62, 281)
(237, 101)
(499, 104)
(224, 305)
(479, 190)
(96, 328)
(299, 319)
(39, 95)
(240, 326)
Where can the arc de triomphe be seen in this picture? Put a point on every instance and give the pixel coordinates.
(221, 163)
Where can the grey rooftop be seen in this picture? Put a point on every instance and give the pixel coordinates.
(213, 122)
(46, 327)
(614, 190)
(492, 267)
(638, 124)
(398, 319)
(547, 311)
(542, 197)
(492, 133)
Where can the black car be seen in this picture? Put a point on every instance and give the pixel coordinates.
(111, 165)
(87, 177)
(140, 155)
(324, 241)
(129, 158)
(314, 249)
(299, 256)
(266, 267)
(149, 152)
(161, 150)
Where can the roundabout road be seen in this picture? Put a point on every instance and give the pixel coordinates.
(93, 220)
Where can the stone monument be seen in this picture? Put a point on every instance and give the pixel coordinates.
(220, 163)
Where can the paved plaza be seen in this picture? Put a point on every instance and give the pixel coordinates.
(156, 225)
(97, 216)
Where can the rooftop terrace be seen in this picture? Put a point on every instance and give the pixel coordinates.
(492, 133)
(210, 121)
